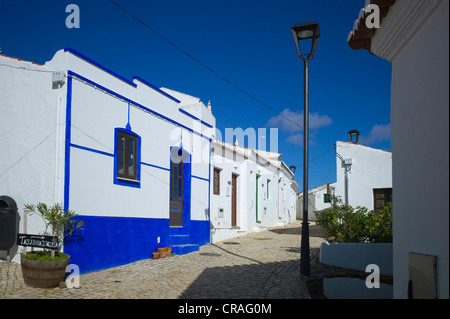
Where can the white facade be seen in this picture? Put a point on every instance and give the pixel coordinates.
(65, 127)
(60, 142)
(414, 37)
(316, 200)
(368, 169)
(264, 188)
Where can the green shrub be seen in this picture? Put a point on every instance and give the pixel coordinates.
(356, 225)
(44, 255)
(63, 223)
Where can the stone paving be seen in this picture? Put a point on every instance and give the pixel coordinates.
(260, 265)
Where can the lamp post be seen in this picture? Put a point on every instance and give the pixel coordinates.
(301, 32)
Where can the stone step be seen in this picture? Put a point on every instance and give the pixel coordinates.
(185, 249)
(179, 239)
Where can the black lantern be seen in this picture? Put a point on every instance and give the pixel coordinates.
(354, 136)
(306, 31)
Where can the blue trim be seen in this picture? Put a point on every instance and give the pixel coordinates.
(187, 174)
(128, 127)
(156, 88)
(209, 195)
(67, 143)
(135, 103)
(87, 59)
(84, 148)
(201, 178)
(78, 54)
(117, 180)
(194, 117)
(156, 166)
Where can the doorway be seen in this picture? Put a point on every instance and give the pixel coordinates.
(234, 200)
(176, 194)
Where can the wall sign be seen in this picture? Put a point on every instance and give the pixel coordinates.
(41, 241)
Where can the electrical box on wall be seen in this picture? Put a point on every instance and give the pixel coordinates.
(58, 77)
(422, 276)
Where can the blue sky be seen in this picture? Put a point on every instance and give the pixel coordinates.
(246, 41)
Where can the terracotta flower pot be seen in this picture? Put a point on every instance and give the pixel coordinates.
(155, 255)
(163, 252)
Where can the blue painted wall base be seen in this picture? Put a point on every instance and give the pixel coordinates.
(108, 242)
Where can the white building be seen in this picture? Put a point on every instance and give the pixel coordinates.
(319, 198)
(414, 36)
(124, 155)
(363, 175)
(363, 178)
(135, 162)
(250, 191)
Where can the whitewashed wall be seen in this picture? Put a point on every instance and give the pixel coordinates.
(28, 138)
(76, 166)
(419, 133)
(371, 168)
(276, 202)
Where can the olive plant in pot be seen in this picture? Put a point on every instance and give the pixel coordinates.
(47, 268)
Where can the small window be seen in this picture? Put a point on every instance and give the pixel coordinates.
(216, 184)
(127, 158)
(326, 198)
(381, 197)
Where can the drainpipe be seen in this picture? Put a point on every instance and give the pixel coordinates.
(58, 79)
(57, 142)
(347, 166)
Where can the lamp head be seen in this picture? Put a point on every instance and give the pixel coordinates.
(306, 31)
(354, 134)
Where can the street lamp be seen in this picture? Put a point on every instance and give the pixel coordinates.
(301, 32)
(355, 134)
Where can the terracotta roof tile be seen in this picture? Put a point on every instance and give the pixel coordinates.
(7, 56)
(361, 36)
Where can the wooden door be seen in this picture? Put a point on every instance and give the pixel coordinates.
(233, 199)
(176, 194)
(257, 198)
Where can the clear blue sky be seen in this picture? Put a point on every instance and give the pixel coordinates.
(249, 42)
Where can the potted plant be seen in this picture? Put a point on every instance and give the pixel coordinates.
(47, 268)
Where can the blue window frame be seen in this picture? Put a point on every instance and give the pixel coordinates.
(127, 158)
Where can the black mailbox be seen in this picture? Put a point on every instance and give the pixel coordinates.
(8, 222)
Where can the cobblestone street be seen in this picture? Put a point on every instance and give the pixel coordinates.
(261, 265)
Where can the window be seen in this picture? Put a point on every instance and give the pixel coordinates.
(381, 197)
(216, 184)
(326, 198)
(127, 158)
